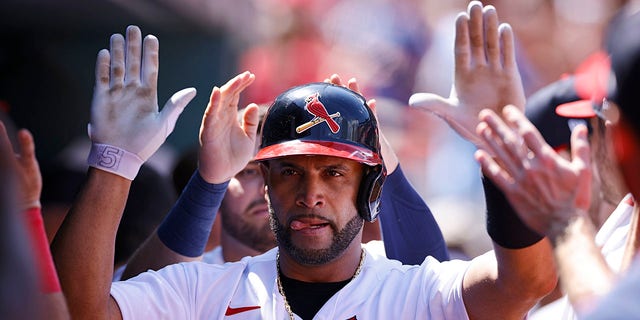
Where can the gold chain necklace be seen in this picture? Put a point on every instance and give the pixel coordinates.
(281, 290)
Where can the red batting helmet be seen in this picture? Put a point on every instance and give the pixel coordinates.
(326, 119)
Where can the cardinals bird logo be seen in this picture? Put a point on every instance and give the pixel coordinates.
(320, 114)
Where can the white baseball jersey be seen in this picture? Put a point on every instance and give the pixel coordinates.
(611, 238)
(214, 256)
(384, 289)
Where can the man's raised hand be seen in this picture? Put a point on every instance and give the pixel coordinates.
(125, 119)
(226, 144)
(545, 189)
(486, 75)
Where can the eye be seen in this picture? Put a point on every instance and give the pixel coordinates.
(334, 173)
(248, 172)
(288, 172)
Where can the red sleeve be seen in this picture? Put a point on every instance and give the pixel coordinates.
(48, 276)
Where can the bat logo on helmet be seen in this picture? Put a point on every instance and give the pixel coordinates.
(320, 114)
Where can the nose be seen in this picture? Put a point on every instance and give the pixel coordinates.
(310, 192)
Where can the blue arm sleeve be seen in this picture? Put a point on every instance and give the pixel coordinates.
(186, 227)
(409, 230)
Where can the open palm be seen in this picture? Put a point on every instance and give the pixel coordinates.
(486, 74)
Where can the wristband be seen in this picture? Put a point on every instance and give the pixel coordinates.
(186, 228)
(32, 205)
(503, 224)
(49, 282)
(115, 160)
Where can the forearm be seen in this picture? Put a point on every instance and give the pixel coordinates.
(504, 226)
(183, 234)
(584, 272)
(153, 255)
(526, 275)
(83, 248)
(520, 271)
(55, 305)
(410, 231)
(509, 282)
(53, 299)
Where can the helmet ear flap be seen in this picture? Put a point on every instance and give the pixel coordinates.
(370, 191)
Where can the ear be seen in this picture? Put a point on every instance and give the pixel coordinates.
(626, 143)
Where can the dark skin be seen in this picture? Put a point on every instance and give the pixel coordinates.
(313, 197)
(492, 285)
(126, 80)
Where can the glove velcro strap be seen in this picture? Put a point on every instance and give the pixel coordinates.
(115, 160)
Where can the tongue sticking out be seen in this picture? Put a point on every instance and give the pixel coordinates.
(298, 225)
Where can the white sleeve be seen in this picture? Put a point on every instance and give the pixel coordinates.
(442, 284)
(432, 290)
(154, 295)
(189, 290)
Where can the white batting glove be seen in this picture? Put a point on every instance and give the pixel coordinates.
(126, 127)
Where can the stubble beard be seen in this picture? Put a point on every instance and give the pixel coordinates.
(259, 238)
(340, 242)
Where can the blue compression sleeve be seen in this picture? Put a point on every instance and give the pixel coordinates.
(409, 230)
(186, 227)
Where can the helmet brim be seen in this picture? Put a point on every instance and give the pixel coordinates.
(320, 148)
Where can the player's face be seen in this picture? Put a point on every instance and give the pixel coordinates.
(603, 157)
(313, 203)
(244, 210)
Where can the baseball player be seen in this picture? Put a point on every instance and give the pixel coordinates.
(322, 185)
(586, 269)
(555, 110)
(246, 230)
(28, 254)
(621, 302)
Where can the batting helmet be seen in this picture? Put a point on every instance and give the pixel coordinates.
(326, 119)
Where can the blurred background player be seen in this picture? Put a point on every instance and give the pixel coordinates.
(555, 110)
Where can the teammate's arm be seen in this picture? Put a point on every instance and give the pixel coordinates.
(505, 283)
(183, 234)
(521, 269)
(22, 163)
(126, 129)
(551, 195)
(410, 232)
(409, 229)
(486, 75)
(30, 180)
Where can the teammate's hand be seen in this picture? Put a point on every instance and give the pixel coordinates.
(25, 165)
(545, 189)
(124, 111)
(388, 155)
(226, 145)
(486, 74)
